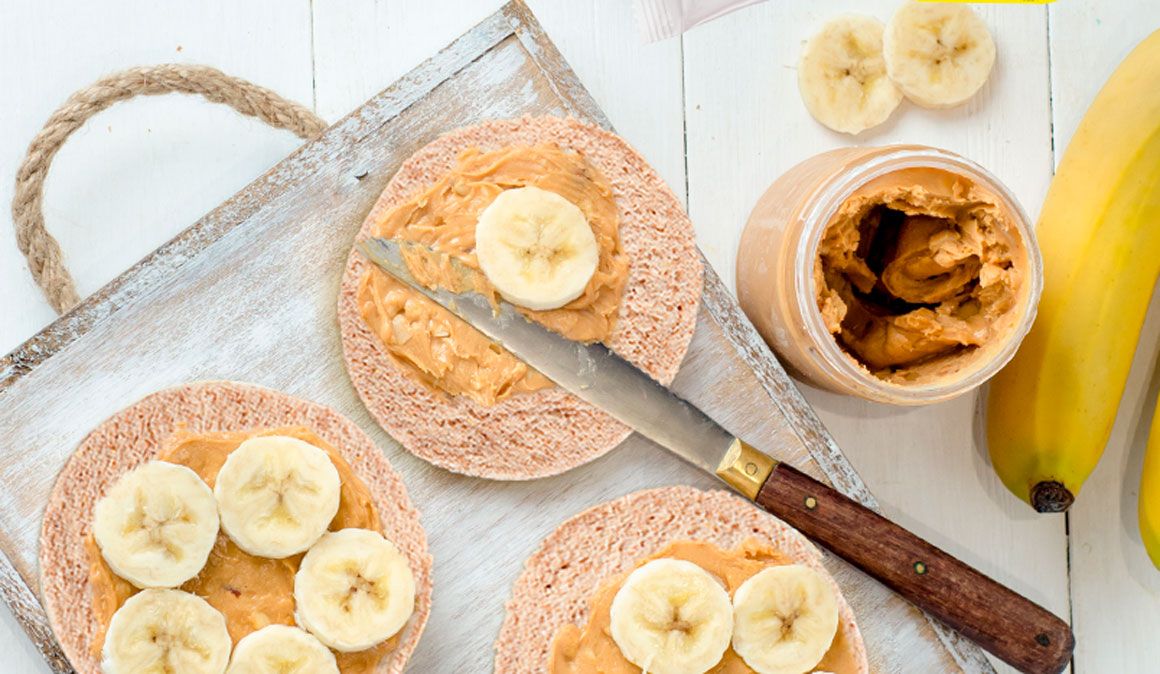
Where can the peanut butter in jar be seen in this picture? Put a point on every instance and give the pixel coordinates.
(901, 274)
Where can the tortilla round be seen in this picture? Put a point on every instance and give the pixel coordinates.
(560, 578)
(549, 431)
(135, 435)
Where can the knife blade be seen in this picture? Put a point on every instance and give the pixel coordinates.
(1001, 621)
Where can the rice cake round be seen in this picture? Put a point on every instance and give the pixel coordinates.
(135, 435)
(560, 578)
(549, 431)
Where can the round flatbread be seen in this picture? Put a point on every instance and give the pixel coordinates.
(549, 431)
(135, 435)
(560, 578)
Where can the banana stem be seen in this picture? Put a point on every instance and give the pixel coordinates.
(1051, 497)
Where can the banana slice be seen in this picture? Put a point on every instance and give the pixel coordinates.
(277, 495)
(536, 248)
(842, 77)
(281, 649)
(939, 55)
(162, 631)
(353, 590)
(785, 618)
(671, 617)
(157, 524)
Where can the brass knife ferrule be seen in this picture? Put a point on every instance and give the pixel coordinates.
(745, 468)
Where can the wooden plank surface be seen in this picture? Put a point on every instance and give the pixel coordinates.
(638, 86)
(124, 207)
(201, 309)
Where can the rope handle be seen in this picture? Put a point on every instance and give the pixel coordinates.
(40, 249)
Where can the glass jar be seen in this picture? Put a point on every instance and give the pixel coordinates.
(778, 285)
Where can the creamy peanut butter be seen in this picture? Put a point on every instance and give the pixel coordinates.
(916, 269)
(431, 344)
(251, 592)
(591, 650)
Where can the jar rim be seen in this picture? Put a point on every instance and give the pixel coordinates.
(826, 201)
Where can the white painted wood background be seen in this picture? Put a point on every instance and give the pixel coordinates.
(717, 112)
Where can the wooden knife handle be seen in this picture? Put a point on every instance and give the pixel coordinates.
(1011, 627)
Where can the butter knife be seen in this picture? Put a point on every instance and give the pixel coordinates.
(1006, 624)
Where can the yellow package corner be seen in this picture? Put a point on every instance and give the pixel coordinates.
(996, 2)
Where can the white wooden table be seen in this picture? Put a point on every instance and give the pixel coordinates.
(716, 112)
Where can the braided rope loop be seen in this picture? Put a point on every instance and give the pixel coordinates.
(40, 249)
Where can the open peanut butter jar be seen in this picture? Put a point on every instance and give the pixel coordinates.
(901, 274)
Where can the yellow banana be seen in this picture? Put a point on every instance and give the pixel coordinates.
(1149, 504)
(1050, 412)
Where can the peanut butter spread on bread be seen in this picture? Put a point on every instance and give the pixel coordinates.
(433, 346)
(591, 650)
(251, 592)
(917, 268)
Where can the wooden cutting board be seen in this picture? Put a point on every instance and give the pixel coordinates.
(249, 292)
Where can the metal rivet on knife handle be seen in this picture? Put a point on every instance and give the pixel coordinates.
(745, 468)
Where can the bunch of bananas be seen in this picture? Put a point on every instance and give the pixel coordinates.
(1050, 412)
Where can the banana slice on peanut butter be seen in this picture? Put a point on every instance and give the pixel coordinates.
(277, 495)
(671, 617)
(536, 248)
(156, 525)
